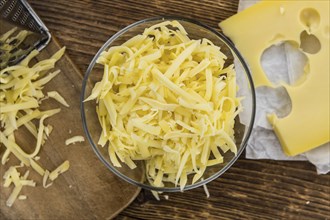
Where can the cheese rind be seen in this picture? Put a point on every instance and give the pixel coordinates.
(271, 22)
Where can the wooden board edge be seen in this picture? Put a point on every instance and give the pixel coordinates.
(81, 76)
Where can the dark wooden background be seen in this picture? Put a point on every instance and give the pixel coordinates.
(251, 189)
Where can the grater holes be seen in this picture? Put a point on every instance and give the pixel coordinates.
(24, 17)
(17, 13)
(31, 25)
(10, 8)
(2, 3)
(35, 27)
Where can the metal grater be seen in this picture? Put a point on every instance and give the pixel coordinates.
(19, 14)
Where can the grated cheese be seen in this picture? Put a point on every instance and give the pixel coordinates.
(74, 139)
(206, 190)
(55, 95)
(168, 100)
(22, 197)
(60, 169)
(45, 178)
(20, 96)
(12, 176)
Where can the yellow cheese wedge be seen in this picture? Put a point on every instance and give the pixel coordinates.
(271, 22)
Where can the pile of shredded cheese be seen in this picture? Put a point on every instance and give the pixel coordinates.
(168, 100)
(20, 97)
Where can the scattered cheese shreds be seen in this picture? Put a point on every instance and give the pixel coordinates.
(37, 167)
(13, 196)
(74, 139)
(167, 100)
(22, 197)
(60, 169)
(13, 176)
(206, 190)
(155, 194)
(45, 178)
(55, 95)
(20, 96)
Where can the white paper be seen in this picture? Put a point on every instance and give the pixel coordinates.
(263, 144)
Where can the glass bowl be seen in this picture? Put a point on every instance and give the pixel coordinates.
(242, 128)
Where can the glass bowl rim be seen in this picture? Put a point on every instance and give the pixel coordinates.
(228, 42)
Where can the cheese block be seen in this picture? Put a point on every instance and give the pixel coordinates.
(305, 24)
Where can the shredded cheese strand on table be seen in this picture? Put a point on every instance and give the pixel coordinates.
(74, 139)
(168, 100)
(20, 96)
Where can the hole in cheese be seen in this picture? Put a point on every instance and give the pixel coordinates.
(284, 62)
(277, 99)
(309, 43)
(277, 38)
(310, 18)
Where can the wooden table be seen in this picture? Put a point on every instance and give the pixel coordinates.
(251, 189)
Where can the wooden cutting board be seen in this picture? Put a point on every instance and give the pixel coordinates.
(88, 190)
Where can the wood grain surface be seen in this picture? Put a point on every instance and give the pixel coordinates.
(87, 190)
(251, 189)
